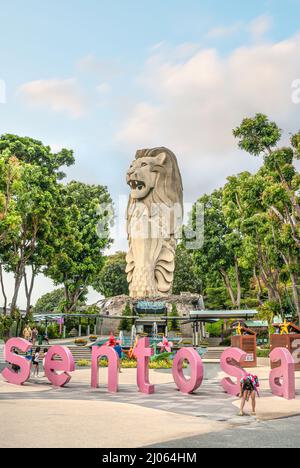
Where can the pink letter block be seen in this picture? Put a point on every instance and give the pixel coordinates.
(142, 353)
(282, 379)
(17, 378)
(64, 366)
(196, 365)
(233, 369)
(113, 371)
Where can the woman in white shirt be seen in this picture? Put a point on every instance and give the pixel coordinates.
(36, 362)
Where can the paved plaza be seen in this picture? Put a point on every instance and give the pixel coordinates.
(37, 414)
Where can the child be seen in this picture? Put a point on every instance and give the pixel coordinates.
(36, 361)
(44, 358)
(249, 387)
(118, 349)
(15, 368)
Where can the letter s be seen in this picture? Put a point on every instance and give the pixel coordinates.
(233, 369)
(17, 378)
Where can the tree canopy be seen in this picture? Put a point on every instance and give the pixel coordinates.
(252, 225)
(112, 280)
(46, 226)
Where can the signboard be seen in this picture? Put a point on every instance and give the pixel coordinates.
(149, 307)
(249, 358)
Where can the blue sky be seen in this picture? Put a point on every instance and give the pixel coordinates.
(107, 77)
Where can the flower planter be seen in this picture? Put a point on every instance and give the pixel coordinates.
(81, 344)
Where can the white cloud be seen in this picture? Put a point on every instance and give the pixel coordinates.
(103, 88)
(260, 26)
(225, 31)
(193, 104)
(63, 96)
(103, 68)
(257, 29)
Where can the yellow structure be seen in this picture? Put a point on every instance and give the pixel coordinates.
(284, 328)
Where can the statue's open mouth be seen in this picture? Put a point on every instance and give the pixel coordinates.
(136, 184)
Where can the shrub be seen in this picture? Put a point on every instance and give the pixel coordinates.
(160, 357)
(162, 364)
(226, 342)
(53, 331)
(215, 329)
(126, 322)
(81, 341)
(83, 363)
(263, 353)
(173, 323)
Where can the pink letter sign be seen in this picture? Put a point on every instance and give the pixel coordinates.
(282, 379)
(113, 371)
(65, 365)
(143, 352)
(17, 378)
(237, 355)
(183, 384)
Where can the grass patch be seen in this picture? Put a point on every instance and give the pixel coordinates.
(263, 353)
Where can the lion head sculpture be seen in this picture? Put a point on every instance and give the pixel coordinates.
(154, 219)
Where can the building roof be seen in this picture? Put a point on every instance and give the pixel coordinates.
(257, 323)
(222, 314)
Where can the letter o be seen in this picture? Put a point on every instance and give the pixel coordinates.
(197, 371)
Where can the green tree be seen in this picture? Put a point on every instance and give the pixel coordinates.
(173, 323)
(112, 281)
(10, 173)
(126, 322)
(268, 311)
(50, 302)
(33, 202)
(76, 252)
(185, 276)
(257, 135)
(277, 215)
(221, 249)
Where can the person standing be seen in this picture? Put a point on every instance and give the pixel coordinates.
(34, 335)
(36, 362)
(27, 334)
(118, 349)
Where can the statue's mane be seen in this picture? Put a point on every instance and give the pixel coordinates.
(168, 189)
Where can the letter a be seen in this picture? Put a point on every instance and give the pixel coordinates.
(282, 379)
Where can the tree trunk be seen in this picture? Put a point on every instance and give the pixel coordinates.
(3, 291)
(238, 283)
(228, 286)
(18, 282)
(267, 275)
(290, 192)
(73, 299)
(296, 298)
(260, 291)
(294, 280)
(29, 288)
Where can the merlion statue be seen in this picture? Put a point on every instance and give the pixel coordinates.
(154, 221)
